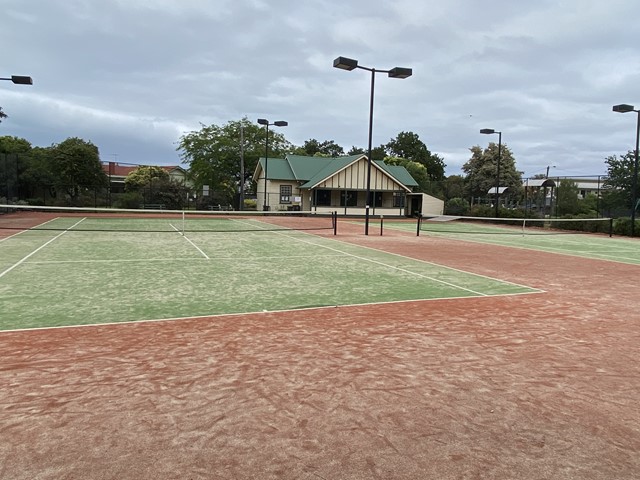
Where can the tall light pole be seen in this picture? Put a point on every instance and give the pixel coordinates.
(624, 108)
(344, 63)
(265, 122)
(490, 131)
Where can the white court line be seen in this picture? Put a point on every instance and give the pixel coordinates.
(26, 229)
(397, 268)
(188, 240)
(20, 262)
(176, 259)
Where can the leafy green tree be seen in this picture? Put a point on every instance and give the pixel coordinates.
(213, 154)
(415, 169)
(408, 145)
(567, 201)
(154, 185)
(457, 206)
(2, 115)
(76, 166)
(356, 151)
(144, 176)
(453, 187)
(313, 147)
(618, 186)
(482, 169)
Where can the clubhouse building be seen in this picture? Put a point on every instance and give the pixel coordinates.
(324, 185)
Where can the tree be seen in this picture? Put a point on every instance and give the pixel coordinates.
(313, 147)
(2, 115)
(154, 185)
(415, 169)
(618, 186)
(76, 167)
(408, 145)
(213, 154)
(144, 176)
(567, 201)
(482, 169)
(453, 187)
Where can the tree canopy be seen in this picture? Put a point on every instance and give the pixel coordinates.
(408, 145)
(482, 171)
(213, 154)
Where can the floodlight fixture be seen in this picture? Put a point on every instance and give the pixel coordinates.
(487, 131)
(19, 79)
(400, 72)
(345, 63)
(263, 121)
(623, 108)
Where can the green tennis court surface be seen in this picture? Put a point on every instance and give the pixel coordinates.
(64, 276)
(594, 246)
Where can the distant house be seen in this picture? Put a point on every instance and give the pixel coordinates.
(323, 185)
(117, 173)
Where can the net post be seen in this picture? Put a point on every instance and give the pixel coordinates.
(183, 223)
(381, 223)
(334, 219)
(418, 227)
(610, 227)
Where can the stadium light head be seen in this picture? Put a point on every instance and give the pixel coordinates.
(487, 131)
(345, 63)
(623, 108)
(400, 72)
(20, 80)
(281, 123)
(263, 121)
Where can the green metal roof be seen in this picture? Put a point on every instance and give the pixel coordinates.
(398, 172)
(312, 170)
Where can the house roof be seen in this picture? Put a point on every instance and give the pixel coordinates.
(313, 170)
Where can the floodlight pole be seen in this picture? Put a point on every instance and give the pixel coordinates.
(489, 131)
(265, 122)
(349, 64)
(624, 108)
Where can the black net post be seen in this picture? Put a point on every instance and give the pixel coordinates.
(381, 223)
(610, 227)
(334, 219)
(418, 225)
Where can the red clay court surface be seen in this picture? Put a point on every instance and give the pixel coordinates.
(541, 386)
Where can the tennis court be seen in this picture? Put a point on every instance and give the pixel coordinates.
(87, 268)
(551, 236)
(530, 375)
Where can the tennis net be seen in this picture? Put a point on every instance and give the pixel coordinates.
(447, 224)
(42, 218)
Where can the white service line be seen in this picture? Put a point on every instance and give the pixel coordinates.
(187, 239)
(377, 262)
(2, 274)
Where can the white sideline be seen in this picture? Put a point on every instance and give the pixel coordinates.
(20, 262)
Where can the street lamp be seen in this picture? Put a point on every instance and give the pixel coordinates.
(490, 131)
(344, 63)
(19, 79)
(624, 108)
(265, 122)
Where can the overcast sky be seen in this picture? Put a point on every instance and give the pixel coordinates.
(132, 76)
